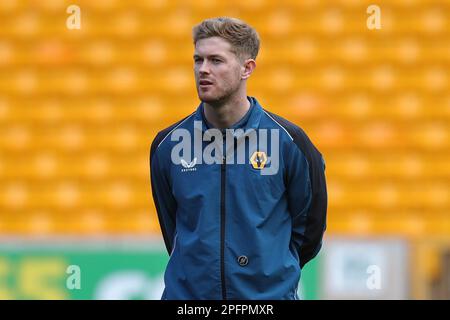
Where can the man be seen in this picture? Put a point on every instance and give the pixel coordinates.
(237, 225)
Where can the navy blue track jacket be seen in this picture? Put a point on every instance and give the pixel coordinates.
(231, 231)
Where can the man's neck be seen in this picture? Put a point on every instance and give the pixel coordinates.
(224, 115)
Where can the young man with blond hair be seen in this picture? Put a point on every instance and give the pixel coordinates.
(240, 192)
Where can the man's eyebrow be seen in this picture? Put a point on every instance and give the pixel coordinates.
(210, 56)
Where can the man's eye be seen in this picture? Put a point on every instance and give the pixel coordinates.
(216, 61)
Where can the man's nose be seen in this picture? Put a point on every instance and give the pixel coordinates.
(204, 68)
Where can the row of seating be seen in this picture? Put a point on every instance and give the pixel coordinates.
(332, 135)
(279, 21)
(100, 164)
(123, 193)
(340, 81)
(54, 5)
(135, 222)
(307, 107)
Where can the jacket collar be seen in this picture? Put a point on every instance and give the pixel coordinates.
(249, 121)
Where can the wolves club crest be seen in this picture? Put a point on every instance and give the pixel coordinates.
(258, 159)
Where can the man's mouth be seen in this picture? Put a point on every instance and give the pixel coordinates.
(205, 83)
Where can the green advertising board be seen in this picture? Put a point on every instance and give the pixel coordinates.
(95, 270)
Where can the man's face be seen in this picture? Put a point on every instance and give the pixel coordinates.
(217, 69)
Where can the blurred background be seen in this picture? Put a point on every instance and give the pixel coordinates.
(79, 109)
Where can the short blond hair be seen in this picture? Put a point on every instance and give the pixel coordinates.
(243, 38)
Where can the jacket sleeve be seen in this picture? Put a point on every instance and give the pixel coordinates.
(307, 198)
(165, 203)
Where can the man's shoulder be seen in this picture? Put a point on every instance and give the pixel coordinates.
(285, 124)
(162, 135)
(296, 134)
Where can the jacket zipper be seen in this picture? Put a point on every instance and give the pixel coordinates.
(222, 227)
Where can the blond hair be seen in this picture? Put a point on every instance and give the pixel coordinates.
(243, 38)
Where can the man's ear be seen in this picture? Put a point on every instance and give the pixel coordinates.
(248, 67)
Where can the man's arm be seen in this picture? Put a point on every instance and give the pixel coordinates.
(307, 194)
(165, 203)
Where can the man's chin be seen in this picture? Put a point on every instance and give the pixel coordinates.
(212, 99)
(208, 98)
